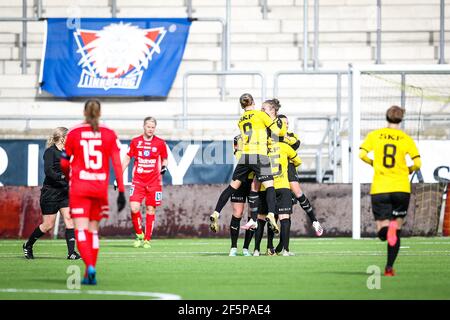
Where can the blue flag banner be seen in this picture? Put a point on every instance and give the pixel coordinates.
(112, 57)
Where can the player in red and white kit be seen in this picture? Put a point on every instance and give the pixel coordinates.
(150, 164)
(89, 146)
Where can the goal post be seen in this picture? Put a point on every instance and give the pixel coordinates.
(388, 76)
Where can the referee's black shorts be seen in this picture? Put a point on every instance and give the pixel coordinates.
(259, 164)
(53, 199)
(391, 205)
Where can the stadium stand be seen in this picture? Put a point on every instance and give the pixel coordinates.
(347, 35)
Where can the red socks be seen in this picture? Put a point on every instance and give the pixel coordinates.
(88, 244)
(95, 246)
(84, 244)
(150, 220)
(392, 233)
(136, 217)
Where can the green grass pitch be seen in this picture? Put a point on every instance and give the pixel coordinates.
(323, 268)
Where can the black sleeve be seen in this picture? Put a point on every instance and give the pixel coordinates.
(236, 141)
(49, 160)
(296, 145)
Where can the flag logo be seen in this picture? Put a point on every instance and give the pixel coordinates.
(117, 55)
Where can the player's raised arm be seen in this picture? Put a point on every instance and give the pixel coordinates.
(292, 140)
(277, 126)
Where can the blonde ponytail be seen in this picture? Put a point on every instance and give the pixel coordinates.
(57, 135)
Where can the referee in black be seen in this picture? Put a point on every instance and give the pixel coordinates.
(54, 197)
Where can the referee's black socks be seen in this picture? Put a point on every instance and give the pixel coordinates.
(37, 233)
(306, 205)
(70, 240)
(224, 196)
(234, 230)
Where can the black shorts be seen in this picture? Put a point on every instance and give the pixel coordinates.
(257, 163)
(292, 173)
(388, 206)
(240, 196)
(283, 202)
(53, 199)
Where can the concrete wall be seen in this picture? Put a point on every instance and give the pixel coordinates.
(186, 209)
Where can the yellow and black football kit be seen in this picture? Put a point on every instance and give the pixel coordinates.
(292, 139)
(281, 154)
(254, 126)
(390, 188)
(241, 194)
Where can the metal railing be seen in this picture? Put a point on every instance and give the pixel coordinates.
(114, 8)
(189, 9)
(378, 47)
(37, 5)
(219, 73)
(333, 122)
(306, 33)
(379, 32)
(442, 33)
(264, 8)
(24, 35)
(337, 73)
(178, 119)
(329, 138)
(225, 45)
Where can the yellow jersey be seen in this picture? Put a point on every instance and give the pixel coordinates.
(280, 155)
(254, 125)
(292, 139)
(390, 147)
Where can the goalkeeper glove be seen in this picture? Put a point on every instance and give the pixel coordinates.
(163, 170)
(121, 201)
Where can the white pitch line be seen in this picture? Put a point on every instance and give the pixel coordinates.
(187, 254)
(155, 295)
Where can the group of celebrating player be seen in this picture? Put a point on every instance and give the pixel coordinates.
(266, 174)
(77, 174)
